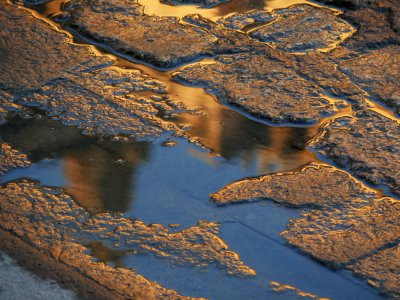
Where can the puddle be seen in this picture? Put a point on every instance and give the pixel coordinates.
(155, 7)
(158, 184)
(170, 185)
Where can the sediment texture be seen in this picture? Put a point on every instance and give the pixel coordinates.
(367, 144)
(123, 25)
(311, 185)
(378, 73)
(50, 220)
(263, 84)
(200, 3)
(78, 87)
(11, 158)
(382, 270)
(304, 28)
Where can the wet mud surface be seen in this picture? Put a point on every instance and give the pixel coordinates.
(128, 128)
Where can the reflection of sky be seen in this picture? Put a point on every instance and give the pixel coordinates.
(167, 185)
(171, 185)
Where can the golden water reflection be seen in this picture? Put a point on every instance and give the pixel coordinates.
(102, 175)
(102, 180)
(154, 7)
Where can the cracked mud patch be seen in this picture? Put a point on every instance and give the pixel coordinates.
(381, 269)
(11, 158)
(76, 87)
(103, 227)
(349, 226)
(378, 73)
(161, 40)
(367, 144)
(311, 185)
(200, 3)
(106, 102)
(344, 234)
(304, 28)
(30, 44)
(263, 84)
(57, 226)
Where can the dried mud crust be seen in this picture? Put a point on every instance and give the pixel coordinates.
(347, 225)
(108, 101)
(377, 23)
(378, 73)
(123, 25)
(342, 235)
(312, 185)
(265, 85)
(382, 270)
(239, 21)
(7, 105)
(11, 158)
(367, 144)
(51, 222)
(165, 41)
(361, 237)
(27, 45)
(78, 87)
(304, 28)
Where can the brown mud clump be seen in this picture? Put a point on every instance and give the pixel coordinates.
(78, 87)
(311, 185)
(50, 221)
(367, 144)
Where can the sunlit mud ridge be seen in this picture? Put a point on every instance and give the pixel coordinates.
(378, 73)
(160, 40)
(170, 43)
(367, 144)
(290, 290)
(246, 80)
(350, 226)
(293, 30)
(76, 87)
(303, 85)
(353, 236)
(11, 158)
(49, 220)
(311, 185)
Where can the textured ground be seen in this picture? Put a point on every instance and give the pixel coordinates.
(334, 68)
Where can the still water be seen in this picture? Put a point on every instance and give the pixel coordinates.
(168, 181)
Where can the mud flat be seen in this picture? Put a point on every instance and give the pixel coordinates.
(54, 225)
(311, 186)
(128, 215)
(350, 226)
(367, 144)
(112, 105)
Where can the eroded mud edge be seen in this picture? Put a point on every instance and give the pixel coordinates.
(47, 267)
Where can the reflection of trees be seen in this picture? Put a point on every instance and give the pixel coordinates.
(239, 6)
(98, 181)
(101, 174)
(96, 177)
(233, 135)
